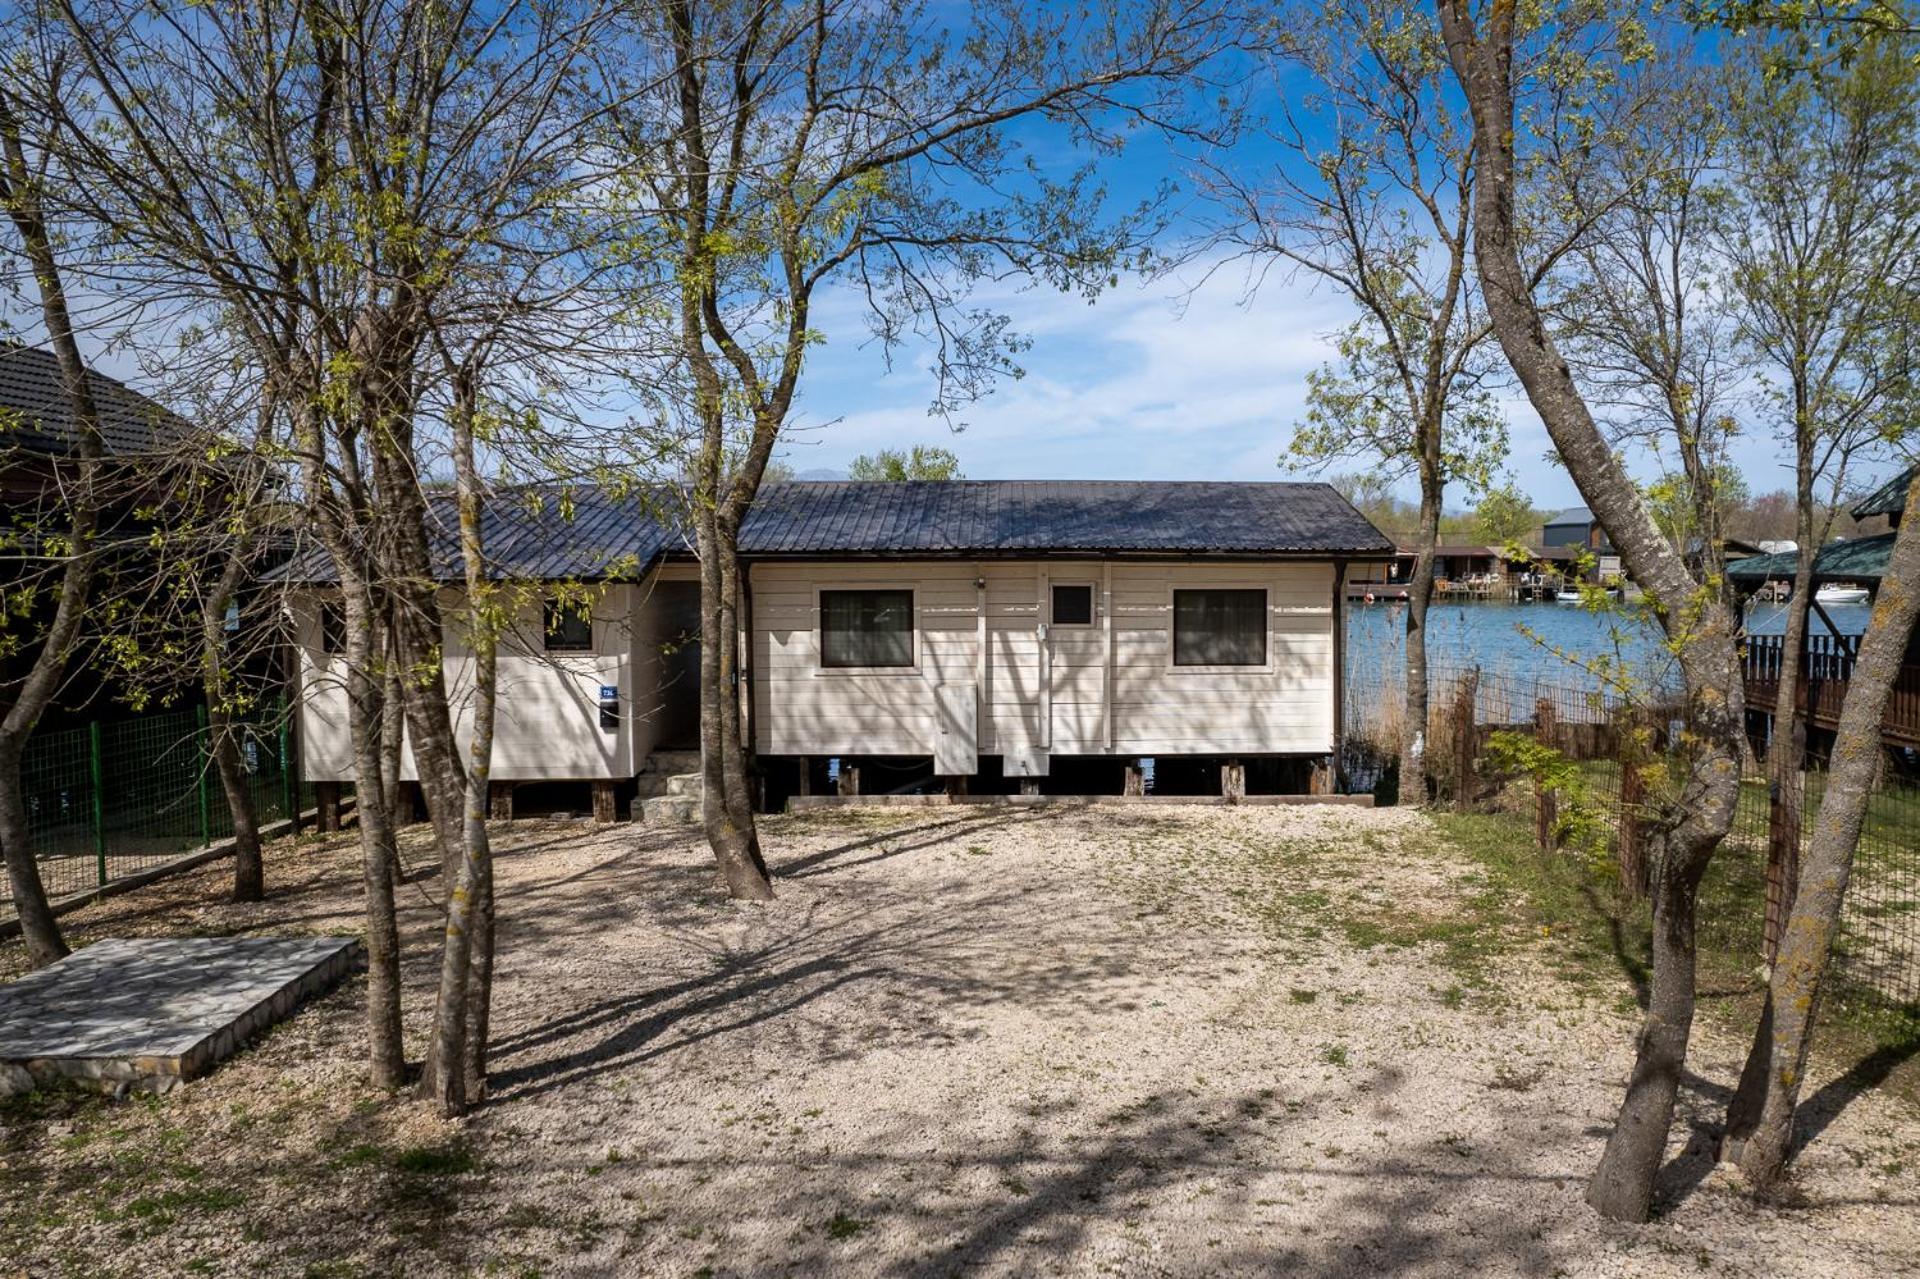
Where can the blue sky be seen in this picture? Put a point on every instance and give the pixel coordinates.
(1197, 377)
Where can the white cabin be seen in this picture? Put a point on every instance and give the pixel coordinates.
(1044, 635)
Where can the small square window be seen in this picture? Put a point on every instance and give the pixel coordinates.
(569, 627)
(1073, 605)
(333, 627)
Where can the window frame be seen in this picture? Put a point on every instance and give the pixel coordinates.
(1264, 666)
(821, 667)
(1093, 604)
(550, 633)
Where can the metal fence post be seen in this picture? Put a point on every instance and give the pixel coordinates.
(97, 783)
(204, 738)
(289, 805)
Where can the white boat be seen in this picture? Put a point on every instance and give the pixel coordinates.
(1837, 594)
(1569, 597)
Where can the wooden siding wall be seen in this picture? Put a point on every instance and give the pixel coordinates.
(547, 726)
(1051, 696)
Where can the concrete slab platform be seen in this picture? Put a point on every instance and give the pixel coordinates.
(146, 1013)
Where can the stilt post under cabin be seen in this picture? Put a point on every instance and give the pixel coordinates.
(604, 811)
(957, 786)
(1136, 782)
(806, 775)
(326, 799)
(1233, 781)
(849, 778)
(500, 801)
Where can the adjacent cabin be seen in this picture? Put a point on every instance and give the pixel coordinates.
(1576, 530)
(1050, 636)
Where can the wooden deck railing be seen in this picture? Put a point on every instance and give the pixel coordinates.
(1823, 684)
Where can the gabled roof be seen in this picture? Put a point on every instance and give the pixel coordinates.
(36, 414)
(1859, 559)
(1572, 515)
(1889, 499)
(1012, 517)
(552, 532)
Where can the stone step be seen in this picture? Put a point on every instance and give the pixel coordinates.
(684, 784)
(670, 810)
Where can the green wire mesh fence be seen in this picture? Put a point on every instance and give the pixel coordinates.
(1475, 717)
(106, 801)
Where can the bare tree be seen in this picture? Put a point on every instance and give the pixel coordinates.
(1373, 195)
(25, 170)
(1826, 209)
(1489, 50)
(839, 144)
(1762, 1137)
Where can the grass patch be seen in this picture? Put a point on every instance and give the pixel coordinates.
(1600, 940)
(844, 1227)
(451, 1160)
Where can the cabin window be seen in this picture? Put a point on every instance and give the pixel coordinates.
(333, 627)
(1073, 604)
(569, 627)
(866, 628)
(1220, 628)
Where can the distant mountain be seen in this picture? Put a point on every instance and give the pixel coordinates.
(820, 473)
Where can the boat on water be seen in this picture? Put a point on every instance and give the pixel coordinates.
(1568, 597)
(1838, 594)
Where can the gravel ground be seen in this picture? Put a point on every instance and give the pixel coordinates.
(1107, 1041)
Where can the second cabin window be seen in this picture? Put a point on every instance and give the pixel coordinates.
(569, 628)
(1220, 628)
(866, 628)
(1073, 604)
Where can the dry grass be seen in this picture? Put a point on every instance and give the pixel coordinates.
(1157, 1041)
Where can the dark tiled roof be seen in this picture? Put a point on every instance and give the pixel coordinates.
(35, 412)
(541, 532)
(1889, 499)
(1862, 559)
(1011, 517)
(1572, 515)
(605, 535)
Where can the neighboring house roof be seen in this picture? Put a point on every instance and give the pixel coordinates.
(1012, 517)
(1572, 515)
(1860, 559)
(1889, 499)
(36, 414)
(918, 519)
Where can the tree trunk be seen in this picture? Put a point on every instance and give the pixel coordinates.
(455, 1075)
(249, 874)
(727, 814)
(1698, 817)
(366, 721)
(20, 197)
(37, 925)
(1414, 788)
(1762, 1143)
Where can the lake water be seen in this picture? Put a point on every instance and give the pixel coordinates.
(1535, 641)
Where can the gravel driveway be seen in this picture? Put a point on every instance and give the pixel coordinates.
(993, 1041)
